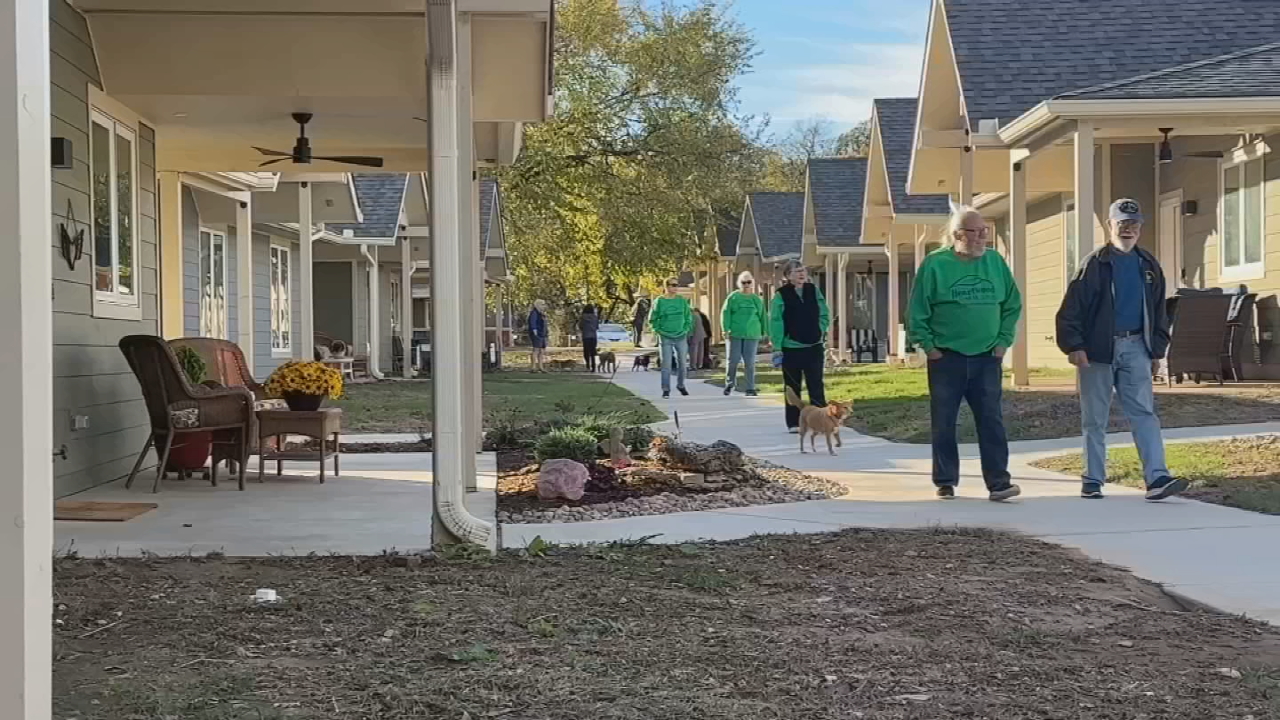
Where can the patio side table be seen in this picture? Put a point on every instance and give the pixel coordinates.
(324, 425)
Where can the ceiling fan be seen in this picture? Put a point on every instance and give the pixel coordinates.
(301, 154)
(1166, 150)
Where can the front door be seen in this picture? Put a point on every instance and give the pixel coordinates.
(1170, 241)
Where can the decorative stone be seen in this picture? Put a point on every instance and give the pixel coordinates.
(718, 457)
(693, 479)
(562, 478)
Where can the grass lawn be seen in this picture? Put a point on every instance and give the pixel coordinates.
(1242, 473)
(880, 625)
(405, 405)
(893, 403)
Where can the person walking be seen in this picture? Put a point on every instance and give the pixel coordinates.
(798, 324)
(672, 320)
(963, 313)
(589, 326)
(639, 314)
(1114, 329)
(538, 333)
(743, 320)
(706, 344)
(697, 340)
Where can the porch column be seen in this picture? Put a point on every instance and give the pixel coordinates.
(697, 289)
(1018, 249)
(375, 328)
(406, 309)
(1084, 183)
(26, 386)
(919, 246)
(891, 346)
(842, 304)
(244, 278)
(306, 269)
(169, 185)
(966, 175)
(829, 280)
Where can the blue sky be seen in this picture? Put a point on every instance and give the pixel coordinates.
(830, 58)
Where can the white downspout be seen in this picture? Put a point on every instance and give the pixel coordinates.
(452, 521)
(375, 341)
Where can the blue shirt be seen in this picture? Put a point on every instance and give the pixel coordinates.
(1127, 281)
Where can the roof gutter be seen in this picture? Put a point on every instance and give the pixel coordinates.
(1051, 111)
(372, 270)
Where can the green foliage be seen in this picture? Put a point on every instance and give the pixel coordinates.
(192, 364)
(599, 425)
(569, 443)
(637, 437)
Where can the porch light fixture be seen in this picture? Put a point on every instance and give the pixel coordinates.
(60, 152)
(1166, 149)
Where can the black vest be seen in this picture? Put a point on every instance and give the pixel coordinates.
(801, 316)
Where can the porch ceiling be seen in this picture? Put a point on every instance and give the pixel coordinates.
(217, 77)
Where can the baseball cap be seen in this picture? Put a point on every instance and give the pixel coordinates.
(1126, 209)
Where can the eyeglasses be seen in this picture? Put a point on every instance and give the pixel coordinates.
(673, 285)
(977, 232)
(748, 282)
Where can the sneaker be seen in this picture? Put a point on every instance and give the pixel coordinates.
(752, 393)
(728, 390)
(1165, 487)
(683, 391)
(1091, 491)
(946, 492)
(794, 430)
(1010, 492)
(666, 394)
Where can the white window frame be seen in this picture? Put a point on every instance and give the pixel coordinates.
(277, 290)
(206, 330)
(1238, 158)
(393, 317)
(112, 303)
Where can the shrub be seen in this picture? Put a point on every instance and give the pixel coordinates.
(599, 426)
(192, 364)
(637, 438)
(568, 443)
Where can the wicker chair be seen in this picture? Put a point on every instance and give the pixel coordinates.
(224, 361)
(176, 407)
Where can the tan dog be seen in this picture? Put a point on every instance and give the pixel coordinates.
(819, 420)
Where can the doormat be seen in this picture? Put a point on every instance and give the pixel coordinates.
(100, 511)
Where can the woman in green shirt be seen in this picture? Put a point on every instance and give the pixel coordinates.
(743, 320)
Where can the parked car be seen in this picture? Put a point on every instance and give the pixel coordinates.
(610, 333)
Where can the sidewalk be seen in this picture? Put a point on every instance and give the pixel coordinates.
(1220, 556)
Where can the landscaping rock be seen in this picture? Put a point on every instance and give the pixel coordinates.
(693, 479)
(718, 457)
(560, 478)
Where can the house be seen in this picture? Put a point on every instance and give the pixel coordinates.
(118, 112)
(909, 226)
(771, 234)
(1177, 107)
(717, 277)
(832, 236)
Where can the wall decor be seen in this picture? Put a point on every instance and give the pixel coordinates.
(71, 238)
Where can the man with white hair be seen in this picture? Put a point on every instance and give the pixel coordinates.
(964, 312)
(1113, 327)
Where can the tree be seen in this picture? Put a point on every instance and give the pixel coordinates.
(646, 144)
(856, 141)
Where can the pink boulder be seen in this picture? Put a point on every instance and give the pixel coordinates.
(562, 478)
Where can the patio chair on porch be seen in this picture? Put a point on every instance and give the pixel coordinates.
(1199, 339)
(176, 407)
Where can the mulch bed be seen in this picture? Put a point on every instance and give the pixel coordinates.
(882, 625)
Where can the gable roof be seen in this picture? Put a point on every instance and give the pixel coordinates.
(779, 222)
(1250, 73)
(381, 197)
(836, 189)
(488, 204)
(727, 231)
(896, 118)
(1013, 54)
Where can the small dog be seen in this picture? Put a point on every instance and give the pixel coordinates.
(608, 362)
(640, 362)
(819, 420)
(564, 365)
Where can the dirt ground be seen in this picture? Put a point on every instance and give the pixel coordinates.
(863, 624)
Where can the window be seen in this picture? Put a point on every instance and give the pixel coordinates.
(281, 309)
(1242, 213)
(396, 302)
(419, 313)
(213, 284)
(1076, 251)
(113, 161)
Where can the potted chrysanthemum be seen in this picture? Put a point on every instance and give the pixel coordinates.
(304, 385)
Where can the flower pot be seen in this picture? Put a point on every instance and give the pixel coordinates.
(190, 451)
(303, 403)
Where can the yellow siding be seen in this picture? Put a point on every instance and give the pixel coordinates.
(1046, 281)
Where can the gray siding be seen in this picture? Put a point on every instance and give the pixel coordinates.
(91, 377)
(263, 360)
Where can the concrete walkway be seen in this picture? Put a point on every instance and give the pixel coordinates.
(1224, 557)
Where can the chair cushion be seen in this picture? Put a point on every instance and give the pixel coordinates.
(185, 419)
(270, 405)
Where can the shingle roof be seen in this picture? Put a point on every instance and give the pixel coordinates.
(727, 232)
(1251, 73)
(897, 120)
(1013, 54)
(779, 221)
(380, 195)
(836, 187)
(488, 196)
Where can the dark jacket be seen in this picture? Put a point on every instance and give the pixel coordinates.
(589, 324)
(537, 324)
(1086, 320)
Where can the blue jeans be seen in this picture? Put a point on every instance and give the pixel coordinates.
(744, 351)
(976, 379)
(675, 351)
(1130, 375)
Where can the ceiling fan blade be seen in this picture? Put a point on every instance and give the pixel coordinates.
(1208, 154)
(278, 160)
(272, 153)
(352, 160)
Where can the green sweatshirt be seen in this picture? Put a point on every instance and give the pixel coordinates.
(742, 316)
(965, 305)
(671, 317)
(777, 330)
